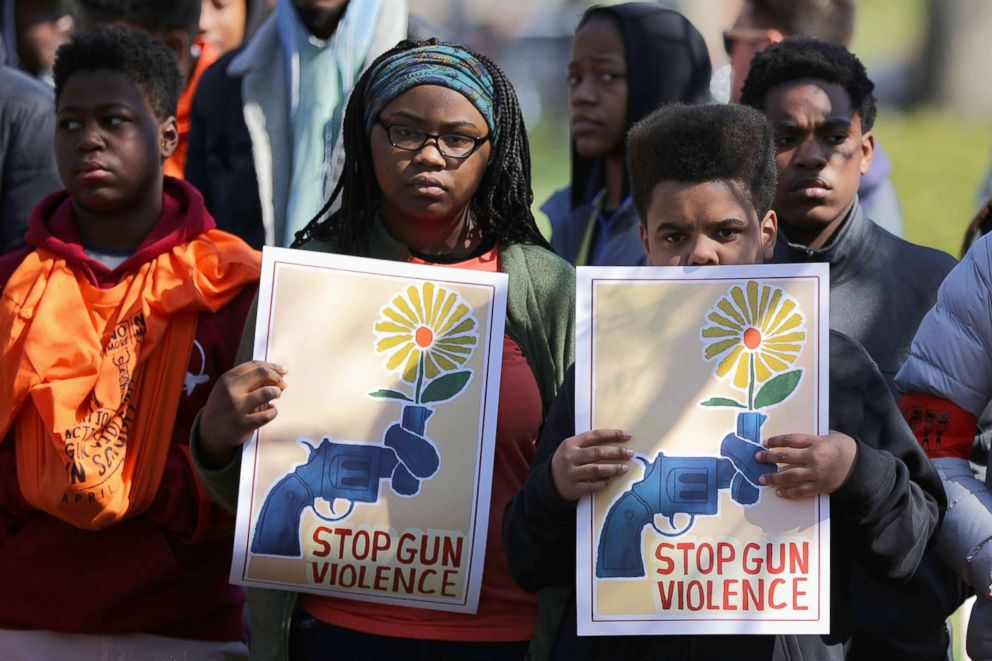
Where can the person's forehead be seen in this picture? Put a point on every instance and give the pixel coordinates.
(101, 87)
(600, 35)
(807, 99)
(434, 103)
(707, 201)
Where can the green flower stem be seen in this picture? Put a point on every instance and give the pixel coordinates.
(420, 377)
(750, 386)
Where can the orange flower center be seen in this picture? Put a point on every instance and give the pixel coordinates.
(424, 337)
(752, 338)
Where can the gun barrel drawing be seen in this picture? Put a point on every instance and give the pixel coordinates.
(348, 471)
(675, 485)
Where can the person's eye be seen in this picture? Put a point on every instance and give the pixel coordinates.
(115, 121)
(727, 233)
(573, 80)
(785, 141)
(70, 124)
(458, 141)
(406, 132)
(837, 138)
(673, 237)
(610, 77)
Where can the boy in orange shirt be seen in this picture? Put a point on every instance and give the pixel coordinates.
(114, 321)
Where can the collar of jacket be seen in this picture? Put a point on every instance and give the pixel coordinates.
(847, 254)
(258, 51)
(54, 228)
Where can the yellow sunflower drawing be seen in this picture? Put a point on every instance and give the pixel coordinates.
(754, 332)
(426, 331)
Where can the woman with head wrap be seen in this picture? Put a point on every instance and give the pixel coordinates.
(627, 60)
(437, 171)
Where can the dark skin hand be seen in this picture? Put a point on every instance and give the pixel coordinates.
(808, 465)
(586, 463)
(240, 403)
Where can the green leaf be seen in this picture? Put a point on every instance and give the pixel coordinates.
(445, 387)
(722, 401)
(777, 389)
(391, 394)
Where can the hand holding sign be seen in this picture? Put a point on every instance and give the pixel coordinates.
(814, 465)
(585, 464)
(239, 403)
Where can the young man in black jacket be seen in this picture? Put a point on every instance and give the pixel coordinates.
(703, 182)
(821, 106)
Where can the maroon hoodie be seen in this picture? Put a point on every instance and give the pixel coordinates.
(164, 571)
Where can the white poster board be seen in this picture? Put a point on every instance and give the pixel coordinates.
(701, 365)
(373, 481)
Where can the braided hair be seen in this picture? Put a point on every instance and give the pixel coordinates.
(501, 205)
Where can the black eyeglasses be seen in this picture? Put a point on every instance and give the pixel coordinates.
(451, 145)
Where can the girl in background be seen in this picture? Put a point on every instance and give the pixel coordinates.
(627, 60)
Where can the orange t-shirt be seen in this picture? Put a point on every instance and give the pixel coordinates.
(506, 613)
(175, 164)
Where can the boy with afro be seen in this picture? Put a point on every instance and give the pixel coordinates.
(114, 320)
(703, 183)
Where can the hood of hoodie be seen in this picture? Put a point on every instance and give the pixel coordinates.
(650, 34)
(53, 227)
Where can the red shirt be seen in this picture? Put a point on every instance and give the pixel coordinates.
(506, 612)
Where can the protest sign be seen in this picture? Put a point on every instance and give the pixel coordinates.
(701, 366)
(373, 481)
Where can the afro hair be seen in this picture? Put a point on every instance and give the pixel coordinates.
(699, 144)
(805, 58)
(148, 63)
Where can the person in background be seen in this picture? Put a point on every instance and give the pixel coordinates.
(627, 60)
(947, 389)
(703, 180)
(437, 172)
(265, 139)
(176, 24)
(32, 31)
(114, 320)
(821, 105)
(226, 24)
(27, 164)
(762, 23)
(223, 24)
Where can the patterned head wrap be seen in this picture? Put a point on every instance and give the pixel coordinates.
(448, 66)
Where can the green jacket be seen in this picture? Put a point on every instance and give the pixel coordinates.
(540, 317)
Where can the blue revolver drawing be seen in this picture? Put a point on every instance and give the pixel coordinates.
(680, 485)
(349, 471)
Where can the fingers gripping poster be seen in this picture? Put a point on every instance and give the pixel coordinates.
(373, 480)
(702, 366)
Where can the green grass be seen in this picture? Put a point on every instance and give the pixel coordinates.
(938, 164)
(887, 30)
(550, 167)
